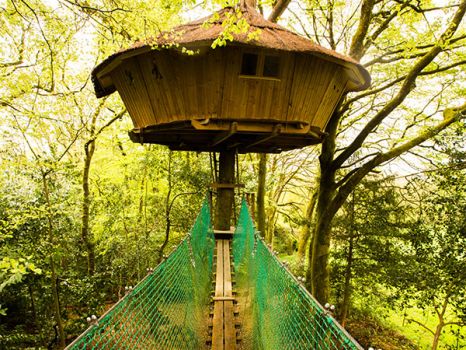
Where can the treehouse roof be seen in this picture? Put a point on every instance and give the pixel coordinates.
(203, 32)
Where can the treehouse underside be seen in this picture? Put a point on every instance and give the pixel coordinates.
(215, 135)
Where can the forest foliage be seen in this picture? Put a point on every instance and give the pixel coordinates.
(84, 212)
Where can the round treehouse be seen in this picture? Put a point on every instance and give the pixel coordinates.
(268, 90)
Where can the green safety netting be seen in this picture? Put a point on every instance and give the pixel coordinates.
(168, 309)
(278, 312)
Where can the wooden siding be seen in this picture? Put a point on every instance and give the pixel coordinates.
(251, 97)
(333, 93)
(310, 82)
(166, 86)
(130, 85)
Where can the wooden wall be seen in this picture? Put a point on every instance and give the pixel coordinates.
(165, 86)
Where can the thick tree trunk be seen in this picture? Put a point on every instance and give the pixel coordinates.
(319, 252)
(88, 241)
(320, 244)
(261, 193)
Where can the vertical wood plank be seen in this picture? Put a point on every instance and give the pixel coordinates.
(132, 88)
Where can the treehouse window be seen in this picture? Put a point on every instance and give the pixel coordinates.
(271, 66)
(260, 66)
(249, 64)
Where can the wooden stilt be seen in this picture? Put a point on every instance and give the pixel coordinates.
(225, 194)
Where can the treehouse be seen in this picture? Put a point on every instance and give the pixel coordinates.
(267, 90)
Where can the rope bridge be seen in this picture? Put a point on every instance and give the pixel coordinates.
(169, 309)
(283, 314)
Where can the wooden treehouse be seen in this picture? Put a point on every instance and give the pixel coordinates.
(269, 90)
(273, 93)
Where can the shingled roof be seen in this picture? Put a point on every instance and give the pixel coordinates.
(205, 31)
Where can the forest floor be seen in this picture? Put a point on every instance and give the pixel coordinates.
(381, 327)
(371, 332)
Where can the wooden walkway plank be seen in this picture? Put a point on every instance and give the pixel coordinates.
(217, 329)
(220, 269)
(229, 324)
(227, 289)
(217, 324)
(223, 325)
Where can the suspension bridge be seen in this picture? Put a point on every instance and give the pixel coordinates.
(224, 293)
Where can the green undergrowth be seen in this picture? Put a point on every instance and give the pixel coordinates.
(452, 338)
(370, 331)
(375, 324)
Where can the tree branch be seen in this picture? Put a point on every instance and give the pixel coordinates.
(380, 59)
(110, 122)
(422, 325)
(399, 80)
(383, 26)
(406, 88)
(357, 44)
(278, 9)
(451, 116)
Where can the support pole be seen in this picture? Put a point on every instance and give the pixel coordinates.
(225, 194)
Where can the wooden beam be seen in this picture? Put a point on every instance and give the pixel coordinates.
(225, 136)
(276, 131)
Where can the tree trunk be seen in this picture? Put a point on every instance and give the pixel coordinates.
(89, 149)
(441, 322)
(320, 243)
(33, 306)
(349, 264)
(347, 288)
(306, 229)
(318, 254)
(250, 3)
(437, 334)
(261, 193)
(278, 9)
(88, 241)
(54, 277)
(167, 210)
(270, 219)
(332, 195)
